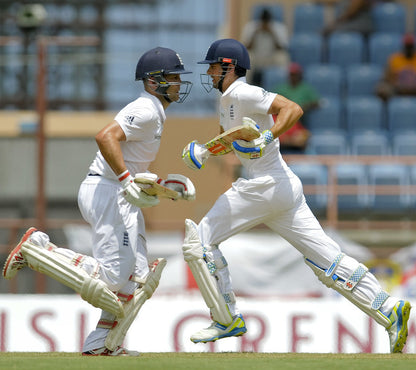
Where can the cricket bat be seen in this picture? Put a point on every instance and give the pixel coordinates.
(151, 187)
(221, 144)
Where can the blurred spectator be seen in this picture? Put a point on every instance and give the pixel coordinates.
(267, 43)
(352, 16)
(400, 73)
(294, 140)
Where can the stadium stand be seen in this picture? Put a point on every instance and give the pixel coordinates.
(306, 48)
(353, 174)
(401, 114)
(389, 174)
(313, 174)
(326, 78)
(364, 113)
(370, 143)
(273, 77)
(381, 45)
(404, 143)
(361, 79)
(346, 48)
(308, 17)
(276, 10)
(389, 17)
(328, 143)
(327, 116)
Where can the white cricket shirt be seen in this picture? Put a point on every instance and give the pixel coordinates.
(244, 100)
(142, 122)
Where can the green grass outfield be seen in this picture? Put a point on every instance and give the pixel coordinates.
(211, 361)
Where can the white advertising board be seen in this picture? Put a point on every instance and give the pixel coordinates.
(43, 323)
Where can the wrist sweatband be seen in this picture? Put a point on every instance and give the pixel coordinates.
(268, 136)
(123, 175)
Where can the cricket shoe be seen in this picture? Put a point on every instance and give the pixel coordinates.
(398, 329)
(217, 331)
(103, 351)
(15, 261)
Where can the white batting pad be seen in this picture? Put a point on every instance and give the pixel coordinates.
(370, 307)
(92, 290)
(117, 334)
(193, 255)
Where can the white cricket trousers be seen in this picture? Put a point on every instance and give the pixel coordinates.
(280, 204)
(119, 243)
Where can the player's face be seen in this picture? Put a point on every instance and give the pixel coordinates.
(215, 72)
(174, 86)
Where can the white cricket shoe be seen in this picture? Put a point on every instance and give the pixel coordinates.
(217, 331)
(103, 351)
(16, 261)
(399, 317)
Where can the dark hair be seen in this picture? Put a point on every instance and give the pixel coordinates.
(266, 15)
(239, 71)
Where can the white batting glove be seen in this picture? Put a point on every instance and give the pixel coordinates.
(181, 184)
(195, 155)
(147, 176)
(133, 194)
(253, 149)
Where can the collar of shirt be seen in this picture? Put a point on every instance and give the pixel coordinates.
(235, 84)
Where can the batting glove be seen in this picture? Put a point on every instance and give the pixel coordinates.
(194, 155)
(253, 149)
(181, 184)
(133, 194)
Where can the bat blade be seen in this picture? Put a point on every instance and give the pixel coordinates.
(221, 144)
(151, 187)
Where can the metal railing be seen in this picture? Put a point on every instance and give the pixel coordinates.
(333, 189)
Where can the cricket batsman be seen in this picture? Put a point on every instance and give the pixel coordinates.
(271, 195)
(117, 278)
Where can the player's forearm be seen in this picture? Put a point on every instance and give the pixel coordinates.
(286, 118)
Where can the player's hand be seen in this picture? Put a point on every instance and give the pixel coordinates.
(195, 155)
(133, 194)
(181, 184)
(253, 149)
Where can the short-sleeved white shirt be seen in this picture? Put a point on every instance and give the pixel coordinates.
(142, 122)
(244, 100)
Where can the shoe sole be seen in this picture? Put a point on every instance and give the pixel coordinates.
(106, 355)
(238, 332)
(16, 250)
(402, 335)
(125, 353)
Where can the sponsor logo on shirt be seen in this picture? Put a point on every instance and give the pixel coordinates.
(130, 119)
